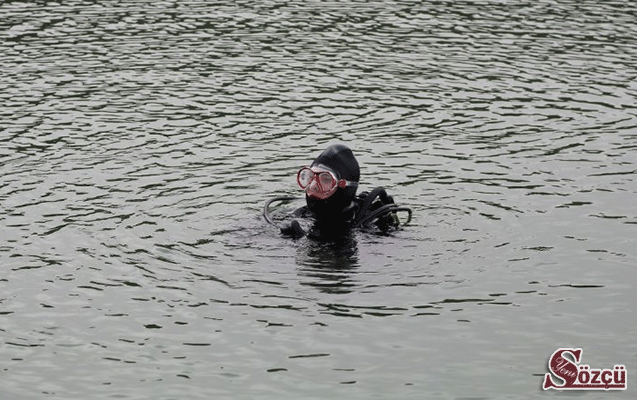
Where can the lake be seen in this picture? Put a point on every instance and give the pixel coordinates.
(140, 140)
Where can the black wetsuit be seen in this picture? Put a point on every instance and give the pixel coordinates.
(375, 209)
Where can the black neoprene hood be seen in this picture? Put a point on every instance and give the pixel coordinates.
(341, 161)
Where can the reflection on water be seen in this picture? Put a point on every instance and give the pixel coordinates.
(139, 141)
(328, 265)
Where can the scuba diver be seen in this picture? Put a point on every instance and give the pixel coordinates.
(330, 185)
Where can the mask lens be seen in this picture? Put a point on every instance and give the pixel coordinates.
(305, 177)
(326, 181)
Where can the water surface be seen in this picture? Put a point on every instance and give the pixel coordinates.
(139, 141)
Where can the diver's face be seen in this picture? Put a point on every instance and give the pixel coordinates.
(319, 182)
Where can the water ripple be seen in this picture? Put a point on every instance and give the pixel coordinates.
(139, 140)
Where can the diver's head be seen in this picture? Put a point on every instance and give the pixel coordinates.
(330, 183)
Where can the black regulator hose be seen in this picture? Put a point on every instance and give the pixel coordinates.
(266, 211)
(388, 206)
(292, 228)
(367, 203)
(386, 209)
